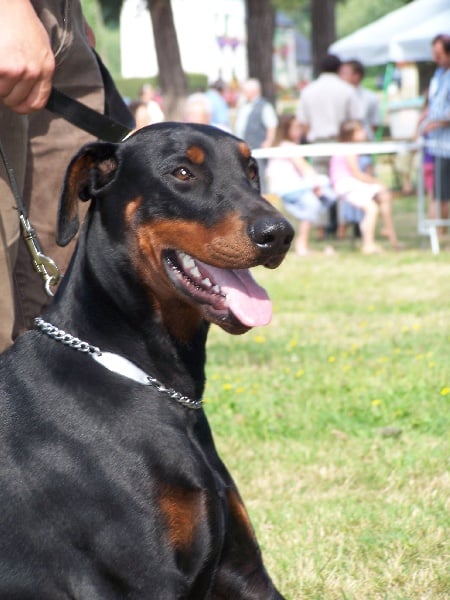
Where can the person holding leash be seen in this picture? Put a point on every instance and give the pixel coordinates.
(44, 43)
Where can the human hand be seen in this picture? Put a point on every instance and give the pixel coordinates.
(27, 63)
(431, 126)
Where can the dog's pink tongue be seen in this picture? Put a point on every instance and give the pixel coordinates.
(247, 300)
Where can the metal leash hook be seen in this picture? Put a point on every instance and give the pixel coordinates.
(44, 265)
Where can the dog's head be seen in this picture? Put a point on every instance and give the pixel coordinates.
(183, 202)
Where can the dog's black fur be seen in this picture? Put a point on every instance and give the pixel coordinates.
(110, 489)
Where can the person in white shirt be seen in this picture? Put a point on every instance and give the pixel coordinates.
(327, 102)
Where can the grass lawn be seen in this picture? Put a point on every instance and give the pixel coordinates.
(335, 421)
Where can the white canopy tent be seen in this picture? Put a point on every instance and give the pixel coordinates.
(403, 35)
(414, 45)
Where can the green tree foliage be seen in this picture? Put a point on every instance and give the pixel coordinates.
(350, 14)
(353, 14)
(111, 11)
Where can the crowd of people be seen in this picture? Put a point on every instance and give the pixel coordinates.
(323, 193)
(329, 193)
(45, 47)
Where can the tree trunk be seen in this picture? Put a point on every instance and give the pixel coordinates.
(260, 33)
(323, 27)
(171, 75)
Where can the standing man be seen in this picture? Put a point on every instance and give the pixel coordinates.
(256, 122)
(43, 43)
(352, 71)
(437, 126)
(324, 104)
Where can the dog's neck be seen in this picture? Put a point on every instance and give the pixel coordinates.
(90, 311)
(113, 362)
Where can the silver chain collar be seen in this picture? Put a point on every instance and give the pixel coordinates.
(73, 342)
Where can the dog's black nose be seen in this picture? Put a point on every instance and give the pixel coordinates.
(272, 235)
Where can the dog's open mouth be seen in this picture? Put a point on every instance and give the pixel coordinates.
(225, 294)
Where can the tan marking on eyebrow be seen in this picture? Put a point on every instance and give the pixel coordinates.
(244, 149)
(196, 155)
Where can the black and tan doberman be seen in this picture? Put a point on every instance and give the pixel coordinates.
(110, 484)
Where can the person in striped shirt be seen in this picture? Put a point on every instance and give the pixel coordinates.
(437, 125)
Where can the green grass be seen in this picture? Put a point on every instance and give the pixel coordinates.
(335, 421)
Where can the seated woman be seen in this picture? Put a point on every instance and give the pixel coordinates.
(305, 194)
(362, 190)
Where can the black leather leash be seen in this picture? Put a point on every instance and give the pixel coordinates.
(80, 115)
(112, 126)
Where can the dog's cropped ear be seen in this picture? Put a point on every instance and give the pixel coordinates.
(90, 170)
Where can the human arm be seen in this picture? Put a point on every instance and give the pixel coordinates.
(270, 121)
(303, 119)
(421, 122)
(355, 105)
(270, 136)
(303, 166)
(26, 59)
(438, 116)
(353, 165)
(432, 125)
(374, 115)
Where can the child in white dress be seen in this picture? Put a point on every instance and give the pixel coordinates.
(362, 190)
(305, 194)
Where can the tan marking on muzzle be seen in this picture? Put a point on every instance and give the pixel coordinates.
(225, 244)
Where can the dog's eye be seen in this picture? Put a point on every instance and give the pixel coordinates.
(183, 174)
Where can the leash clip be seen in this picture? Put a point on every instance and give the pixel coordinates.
(44, 265)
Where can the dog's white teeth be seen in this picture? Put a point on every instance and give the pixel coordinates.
(187, 261)
(190, 268)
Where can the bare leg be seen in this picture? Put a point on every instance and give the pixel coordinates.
(301, 243)
(341, 231)
(367, 227)
(384, 200)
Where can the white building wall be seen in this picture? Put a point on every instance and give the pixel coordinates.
(211, 36)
